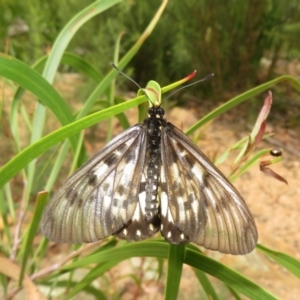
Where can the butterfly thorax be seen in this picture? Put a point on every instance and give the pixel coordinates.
(153, 123)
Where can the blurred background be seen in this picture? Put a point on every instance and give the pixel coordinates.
(244, 43)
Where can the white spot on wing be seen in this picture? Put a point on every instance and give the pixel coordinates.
(182, 153)
(106, 203)
(100, 170)
(210, 197)
(181, 208)
(118, 153)
(199, 172)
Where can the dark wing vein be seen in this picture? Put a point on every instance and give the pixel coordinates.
(199, 201)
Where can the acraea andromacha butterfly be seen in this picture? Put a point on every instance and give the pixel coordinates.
(151, 178)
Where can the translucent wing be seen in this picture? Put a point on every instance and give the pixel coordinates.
(102, 196)
(198, 204)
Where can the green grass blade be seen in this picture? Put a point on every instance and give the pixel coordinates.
(51, 66)
(123, 62)
(4, 213)
(139, 249)
(206, 284)
(227, 275)
(108, 79)
(112, 92)
(243, 97)
(32, 81)
(192, 258)
(10, 201)
(68, 58)
(234, 293)
(203, 279)
(31, 152)
(99, 295)
(26, 247)
(69, 31)
(249, 163)
(175, 262)
(60, 158)
(286, 261)
(95, 273)
(82, 65)
(108, 259)
(77, 153)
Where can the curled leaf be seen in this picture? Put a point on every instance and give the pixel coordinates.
(259, 128)
(257, 134)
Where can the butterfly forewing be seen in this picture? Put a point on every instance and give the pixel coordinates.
(204, 206)
(101, 197)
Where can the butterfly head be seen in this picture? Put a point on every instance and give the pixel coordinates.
(156, 112)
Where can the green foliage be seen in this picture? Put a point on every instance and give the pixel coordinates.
(24, 254)
(232, 40)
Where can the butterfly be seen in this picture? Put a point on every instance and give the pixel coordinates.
(151, 178)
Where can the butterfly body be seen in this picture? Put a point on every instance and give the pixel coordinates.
(154, 123)
(151, 178)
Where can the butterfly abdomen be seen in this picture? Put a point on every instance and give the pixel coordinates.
(154, 123)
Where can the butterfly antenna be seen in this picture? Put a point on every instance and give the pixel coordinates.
(185, 86)
(120, 71)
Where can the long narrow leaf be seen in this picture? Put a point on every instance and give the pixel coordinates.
(26, 248)
(175, 262)
(32, 81)
(286, 261)
(227, 275)
(206, 284)
(243, 97)
(70, 30)
(49, 72)
(192, 258)
(31, 152)
(123, 62)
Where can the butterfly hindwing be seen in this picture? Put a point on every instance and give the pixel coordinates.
(169, 227)
(138, 228)
(101, 197)
(204, 206)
